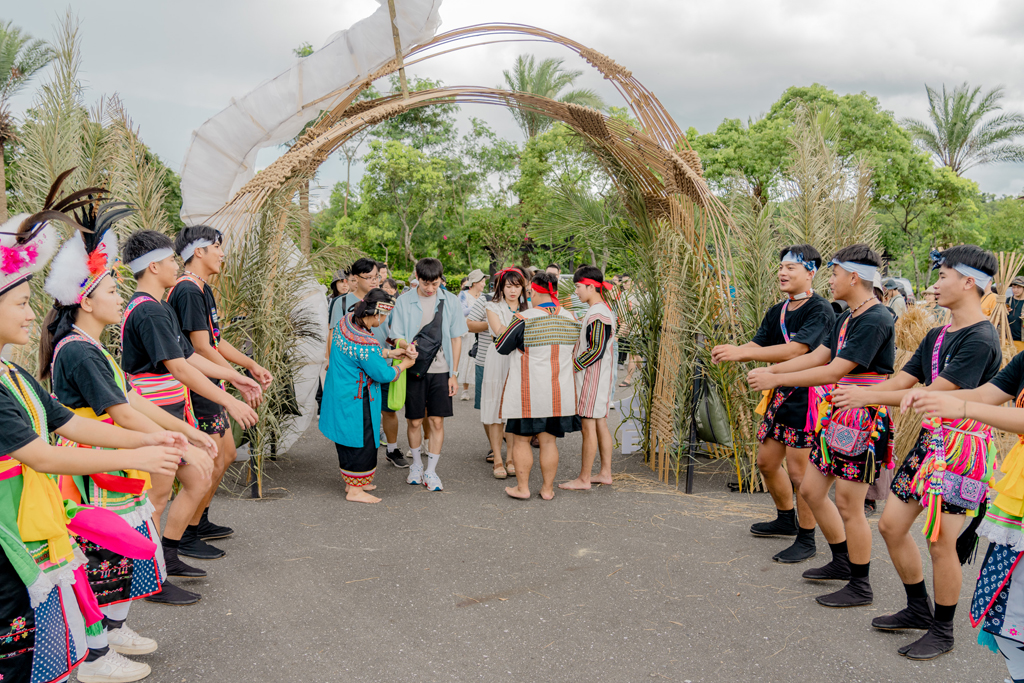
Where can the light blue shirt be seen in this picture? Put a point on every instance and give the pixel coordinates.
(406, 318)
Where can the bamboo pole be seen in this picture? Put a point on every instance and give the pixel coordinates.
(398, 49)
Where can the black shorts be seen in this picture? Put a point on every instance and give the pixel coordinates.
(555, 426)
(214, 425)
(427, 394)
(384, 398)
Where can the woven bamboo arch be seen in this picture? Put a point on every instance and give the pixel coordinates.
(658, 160)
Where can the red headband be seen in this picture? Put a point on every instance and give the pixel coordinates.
(550, 291)
(595, 284)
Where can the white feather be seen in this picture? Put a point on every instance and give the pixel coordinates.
(68, 271)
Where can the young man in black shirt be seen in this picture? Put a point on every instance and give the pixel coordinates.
(1015, 311)
(790, 328)
(968, 355)
(193, 302)
(859, 348)
(161, 363)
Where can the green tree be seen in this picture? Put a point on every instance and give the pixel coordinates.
(1005, 227)
(547, 79)
(20, 58)
(404, 183)
(959, 137)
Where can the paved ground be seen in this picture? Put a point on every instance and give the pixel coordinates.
(633, 582)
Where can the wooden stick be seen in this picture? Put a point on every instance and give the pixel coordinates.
(398, 50)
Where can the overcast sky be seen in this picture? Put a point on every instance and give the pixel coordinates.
(175, 64)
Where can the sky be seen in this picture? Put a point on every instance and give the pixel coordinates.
(176, 64)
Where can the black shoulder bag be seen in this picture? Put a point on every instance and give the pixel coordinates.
(428, 342)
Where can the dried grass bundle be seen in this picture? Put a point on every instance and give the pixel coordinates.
(911, 329)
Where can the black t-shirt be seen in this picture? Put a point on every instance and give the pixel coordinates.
(82, 378)
(1010, 379)
(17, 429)
(807, 325)
(196, 311)
(151, 336)
(1016, 307)
(870, 340)
(968, 358)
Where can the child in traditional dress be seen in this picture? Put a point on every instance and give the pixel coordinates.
(964, 354)
(192, 299)
(86, 379)
(594, 365)
(44, 591)
(351, 412)
(540, 341)
(791, 328)
(860, 349)
(160, 364)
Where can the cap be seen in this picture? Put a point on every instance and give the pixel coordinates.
(339, 274)
(475, 275)
(1017, 281)
(891, 283)
(877, 282)
(930, 290)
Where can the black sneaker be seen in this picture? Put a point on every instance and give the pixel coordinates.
(175, 567)
(803, 549)
(396, 458)
(193, 546)
(869, 508)
(209, 531)
(857, 593)
(836, 570)
(938, 641)
(173, 595)
(916, 615)
(776, 527)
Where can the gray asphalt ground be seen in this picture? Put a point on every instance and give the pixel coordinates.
(632, 582)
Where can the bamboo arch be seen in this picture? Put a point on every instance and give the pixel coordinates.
(657, 161)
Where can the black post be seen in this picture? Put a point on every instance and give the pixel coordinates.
(691, 450)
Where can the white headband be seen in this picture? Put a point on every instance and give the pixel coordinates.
(981, 279)
(864, 271)
(141, 263)
(191, 247)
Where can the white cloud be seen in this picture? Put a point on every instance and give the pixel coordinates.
(176, 64)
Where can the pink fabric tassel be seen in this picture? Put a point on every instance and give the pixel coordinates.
(107, 529)
(86, 598)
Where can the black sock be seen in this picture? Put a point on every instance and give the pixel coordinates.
(800, 531)
(171, 543)
(96, 653)
(916, 590)
(859, 571)
(206, 515)
(945, 612)
(112, 624)
(787, 515)
(838, 548)
(191, 531)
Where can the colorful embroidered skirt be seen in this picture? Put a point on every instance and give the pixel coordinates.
(359, 463)
(902, 485)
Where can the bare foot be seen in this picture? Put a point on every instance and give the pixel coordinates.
(605, 481)
(357, 495)
(575, 485)
(514, 492)
(370, 487)
(546, 495)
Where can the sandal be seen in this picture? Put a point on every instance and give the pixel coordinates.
(510, 468)
(490, 456)
(500, 473)
(625, 383)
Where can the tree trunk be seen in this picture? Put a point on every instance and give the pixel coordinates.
(305, 242)
(3, 187)
(348, 187)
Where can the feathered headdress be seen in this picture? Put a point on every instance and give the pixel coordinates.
(27, 241)
(87, 257)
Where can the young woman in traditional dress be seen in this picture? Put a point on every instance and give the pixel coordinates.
(44, 593)
(594, 364)
(509, 298)
(351, 409)
(86, 379)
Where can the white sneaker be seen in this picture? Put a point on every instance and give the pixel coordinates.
(465, 395)
(432, 482)
(128, 642)
(415, 477)
(112, 668)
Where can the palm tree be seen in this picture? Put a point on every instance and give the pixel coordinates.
(20, 58)
(957, 136)
(547, 79)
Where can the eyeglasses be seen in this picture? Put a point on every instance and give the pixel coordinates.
(371, 278)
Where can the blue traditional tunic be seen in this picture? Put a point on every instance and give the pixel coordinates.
(355, 373)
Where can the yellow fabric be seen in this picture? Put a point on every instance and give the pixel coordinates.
(1019, 345)
(1011, 487)
(41, 514)
(90, 414)
(762, 407)
(988, 303)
